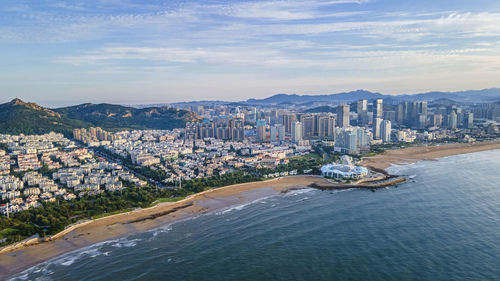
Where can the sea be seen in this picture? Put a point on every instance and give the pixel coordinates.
(443, 224)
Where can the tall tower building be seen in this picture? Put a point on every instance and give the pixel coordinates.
(385, 131)
(362, 106)
(297, 132)
(261, 130)
(377, 123)
(452, 120)
(378, 109)
(277, 133)
(343, 115)
(469, 120)
(288, 120)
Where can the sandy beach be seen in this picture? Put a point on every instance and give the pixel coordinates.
(137, 221)
(414, 154)
(140, 220)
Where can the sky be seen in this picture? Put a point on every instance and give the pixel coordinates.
(60, 53)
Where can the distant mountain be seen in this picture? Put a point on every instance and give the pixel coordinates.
(300, 99)
(321, 109)
(473, 96)
(29, 118)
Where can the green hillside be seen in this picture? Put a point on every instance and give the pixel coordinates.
(113, 117)
(18, 117)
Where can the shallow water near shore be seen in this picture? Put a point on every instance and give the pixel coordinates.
(444, 224)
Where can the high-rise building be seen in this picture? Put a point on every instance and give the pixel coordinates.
(261, 130)
(277, 133)
(362, 106)
(400, 113)
(326, 126)
(452, 120)
(343, 115)
(362, 111)
(77, 135)
(385, 131)
(378, 109)
(376, 126)
(288, 120)
(422, 121)
(469, 120)
(436, 120)
(297, 132)
(308, 125)
(93, 132)
(390, 115)
(351, 140)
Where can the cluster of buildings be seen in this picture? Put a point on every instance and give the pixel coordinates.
(94, 136)
(69, 170)
(181, 157)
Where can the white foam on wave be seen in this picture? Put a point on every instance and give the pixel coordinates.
(163, 229)
(127, 243)
(242, 206)
(299, 191)
(70, 258)
(302, 199)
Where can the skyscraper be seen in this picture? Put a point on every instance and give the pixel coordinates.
(378, 109)
(297, 132)
(261, 130)
(377, 123)
(307, 125)
(362, 106)
(469, 120)
(326, 126)
(385, 131)
(452, 120)
(288, 120)
(343, 115)
(362, 110)
(277, 133)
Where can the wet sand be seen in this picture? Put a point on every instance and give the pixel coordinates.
(430, 153)
(137, 221)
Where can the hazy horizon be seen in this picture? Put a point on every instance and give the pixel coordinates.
(48, 105)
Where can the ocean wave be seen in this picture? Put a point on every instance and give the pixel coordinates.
(242, 206)
(127, 243)
(163, 229)
(65, 260)
(300, 191)
(302, 199)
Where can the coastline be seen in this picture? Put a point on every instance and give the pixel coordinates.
(124, 224)
(411, 155)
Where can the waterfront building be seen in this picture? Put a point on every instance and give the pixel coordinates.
(344, 170)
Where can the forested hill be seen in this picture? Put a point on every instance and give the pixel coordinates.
(18, 117)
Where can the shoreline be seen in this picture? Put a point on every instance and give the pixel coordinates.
(87, 233)
(414, 154)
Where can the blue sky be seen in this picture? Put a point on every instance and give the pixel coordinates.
(137, 51)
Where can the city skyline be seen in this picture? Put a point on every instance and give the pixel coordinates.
(60, 53)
